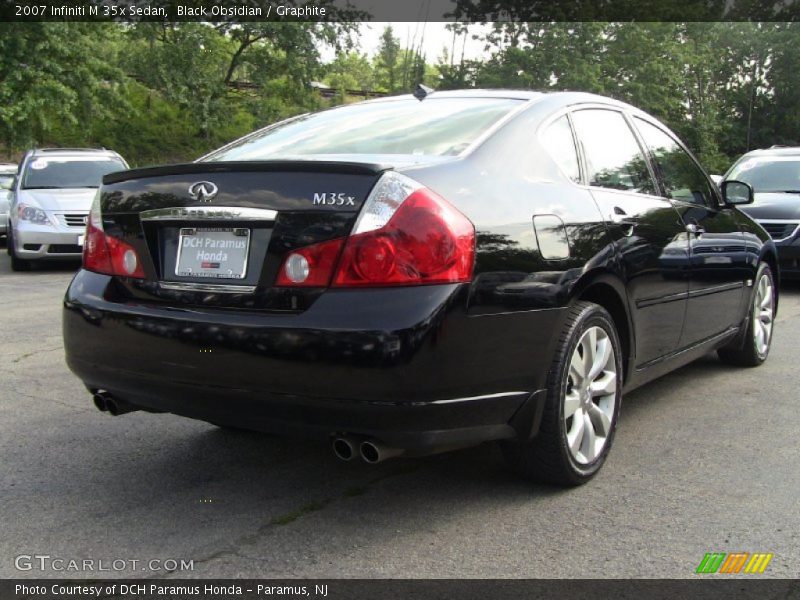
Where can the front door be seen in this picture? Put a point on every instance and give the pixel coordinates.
(716, 244)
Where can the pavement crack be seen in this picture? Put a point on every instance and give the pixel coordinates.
(235, 549)
(34, 353)
(54, 401)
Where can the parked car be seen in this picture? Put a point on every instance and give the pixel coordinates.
(409, 276)
(50, 202)
(774, 174)
(7, 173)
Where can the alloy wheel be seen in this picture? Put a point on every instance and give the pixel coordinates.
(590, 395)
(763, 309)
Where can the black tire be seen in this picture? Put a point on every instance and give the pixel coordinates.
(547, 458)
(17, 264)
(745, 353)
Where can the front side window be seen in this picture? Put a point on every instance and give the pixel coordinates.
(51, 172)
(613, 156)
(558, 141)
(682, 178)
(433, 127)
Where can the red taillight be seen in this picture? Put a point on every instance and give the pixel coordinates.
(103, 253)
(95, 252)
(406, 235)
(425, 241)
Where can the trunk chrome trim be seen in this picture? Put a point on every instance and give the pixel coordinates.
(219, 288)
(209, 213)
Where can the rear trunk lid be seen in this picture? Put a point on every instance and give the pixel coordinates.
(215, 234)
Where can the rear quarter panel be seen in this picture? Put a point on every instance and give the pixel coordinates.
(501, 187)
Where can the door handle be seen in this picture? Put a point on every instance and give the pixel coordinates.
(694, 228)
(620, 217)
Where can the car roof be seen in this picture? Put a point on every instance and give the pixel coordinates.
(75, 152)
(775, 151)
(566, 97)
(553, 99)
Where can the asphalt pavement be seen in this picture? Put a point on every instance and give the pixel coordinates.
(706, 459)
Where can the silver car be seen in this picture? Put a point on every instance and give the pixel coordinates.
(7, 174)
(50, 202)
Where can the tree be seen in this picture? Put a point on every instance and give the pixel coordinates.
(387, 62)
(351, 71)
(55, 76)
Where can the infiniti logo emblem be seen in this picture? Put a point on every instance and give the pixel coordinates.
(203, 191)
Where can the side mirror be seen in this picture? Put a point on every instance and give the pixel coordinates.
(716, 179)
(737, 192)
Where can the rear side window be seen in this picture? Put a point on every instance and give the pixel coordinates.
(682, 178)
(60, 172)
(558, 141)
(613, 156)
(434, 127)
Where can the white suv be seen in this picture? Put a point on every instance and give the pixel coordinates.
(50, 202)
(7, 174)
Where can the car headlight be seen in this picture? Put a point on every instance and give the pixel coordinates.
(32, 214)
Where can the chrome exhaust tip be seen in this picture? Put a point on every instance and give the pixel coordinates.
(375, 452)
(343, 448)
(100, 402)
(114, 407)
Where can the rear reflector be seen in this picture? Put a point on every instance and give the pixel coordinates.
(311, 266)
(103, 253)
(405, 235)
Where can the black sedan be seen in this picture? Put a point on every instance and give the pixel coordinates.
(417, 274)
(774, 174)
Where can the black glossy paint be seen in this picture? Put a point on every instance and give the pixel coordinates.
(426, 366)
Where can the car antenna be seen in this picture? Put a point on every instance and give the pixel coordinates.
(422, 91)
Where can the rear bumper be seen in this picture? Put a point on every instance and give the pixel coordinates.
(407, 366)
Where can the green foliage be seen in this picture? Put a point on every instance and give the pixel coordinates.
(724, 88)
(351, 71)
(161, 92)
(387, 62)
(54, 77)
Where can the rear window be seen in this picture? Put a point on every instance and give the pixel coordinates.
(769, 174)
(433, 127)
(61, 172)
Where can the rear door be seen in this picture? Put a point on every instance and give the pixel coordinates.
(646, 228)
(716, 244)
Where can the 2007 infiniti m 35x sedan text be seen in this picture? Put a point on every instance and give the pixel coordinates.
(409, 276)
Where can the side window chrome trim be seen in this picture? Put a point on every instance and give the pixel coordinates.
(634, 132)
(717, 204)
(544, 125)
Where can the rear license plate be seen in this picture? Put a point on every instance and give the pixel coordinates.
(80, 240)
(213, 252)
